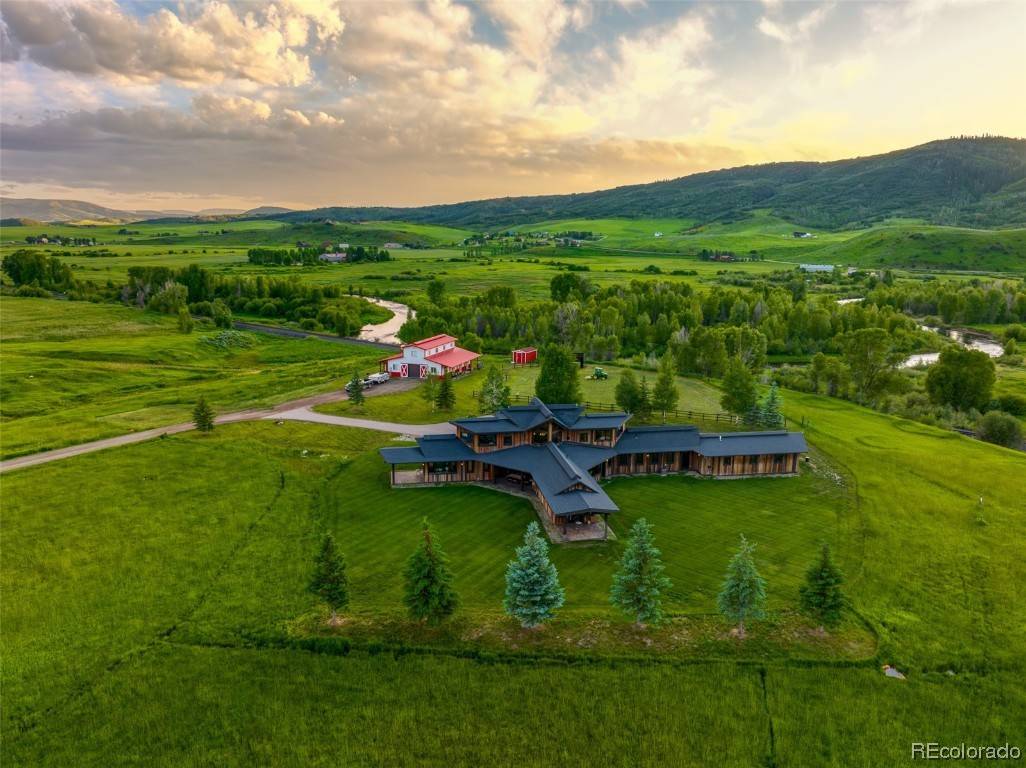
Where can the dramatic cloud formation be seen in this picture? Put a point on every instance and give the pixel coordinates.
(307, 102)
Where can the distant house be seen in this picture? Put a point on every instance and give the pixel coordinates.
(392, 246)
(816, 267)
(722, 257)
(434, 356)
(658, 234)
(559, 453)
(801, 234)
(333, 258)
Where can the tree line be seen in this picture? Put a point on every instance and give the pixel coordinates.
(534, 594)
(285, 257)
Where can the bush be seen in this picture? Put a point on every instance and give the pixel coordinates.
(1010, 403)
(32, 291)
(1001, 429)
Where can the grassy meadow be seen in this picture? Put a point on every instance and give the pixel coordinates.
(75, 371)
(184, 634)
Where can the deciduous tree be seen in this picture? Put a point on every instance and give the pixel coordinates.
(495, 392)
(962, 378)
(558, 380)
(666, 394)
(739, 393)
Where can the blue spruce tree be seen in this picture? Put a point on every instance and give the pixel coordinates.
(533, 591)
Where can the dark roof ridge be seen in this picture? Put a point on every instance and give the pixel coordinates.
(721, 435)
(663, 428)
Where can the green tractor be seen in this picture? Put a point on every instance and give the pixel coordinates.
(599, 375)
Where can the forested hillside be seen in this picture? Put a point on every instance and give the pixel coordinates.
(978, 182)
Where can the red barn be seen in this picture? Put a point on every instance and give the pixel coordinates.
(435, 356)
(524, 356)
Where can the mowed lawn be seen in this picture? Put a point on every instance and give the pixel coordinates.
(75, 371)
(135, 580)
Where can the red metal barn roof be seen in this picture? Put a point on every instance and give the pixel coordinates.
(451, 358)
(432, 341)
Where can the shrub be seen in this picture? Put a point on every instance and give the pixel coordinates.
(1000, 428)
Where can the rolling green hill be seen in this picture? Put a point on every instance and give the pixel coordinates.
(927, 247)
(979, 182)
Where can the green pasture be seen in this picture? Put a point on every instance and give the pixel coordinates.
(75, 371)
(410, 407)
(134, 590)
(931, 248)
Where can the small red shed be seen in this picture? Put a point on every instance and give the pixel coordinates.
(525, 356)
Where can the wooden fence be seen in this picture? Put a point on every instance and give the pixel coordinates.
(721, 418)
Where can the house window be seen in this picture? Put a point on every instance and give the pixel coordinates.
(624, 460)
(728, 461)
(507, 440)
(540, 436)
(486, 441)
(584, 437)
(753, 461)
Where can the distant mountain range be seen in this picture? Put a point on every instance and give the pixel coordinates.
(48, 210)
(973, 181)
(977, 182)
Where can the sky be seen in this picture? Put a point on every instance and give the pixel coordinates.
(302, 103)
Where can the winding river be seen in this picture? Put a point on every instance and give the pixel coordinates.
(387, 331)
(970, 339)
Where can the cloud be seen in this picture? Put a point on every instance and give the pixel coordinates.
(205, 44)
(798, 31)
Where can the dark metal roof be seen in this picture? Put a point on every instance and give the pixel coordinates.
(752, 443)
(518, 418)
(437, 448)
(560, 469)
(658, 439)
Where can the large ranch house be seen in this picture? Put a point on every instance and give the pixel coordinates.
(558, 453)
(434, 356)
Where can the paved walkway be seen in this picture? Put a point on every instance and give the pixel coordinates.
(293, 410)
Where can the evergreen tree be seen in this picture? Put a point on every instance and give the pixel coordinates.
(644, 407)
(533, 591)
(329, 580)
(665, 395)
(429, 390)
(445, 398)
(355, 388)
(203, 416)
(638, 585)
(821, 595)
(628, 391)
(743, 593)
(769, 411)
(739, 393)
(185, 323)
(495, 392)
(429, 594)
(557, 380)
